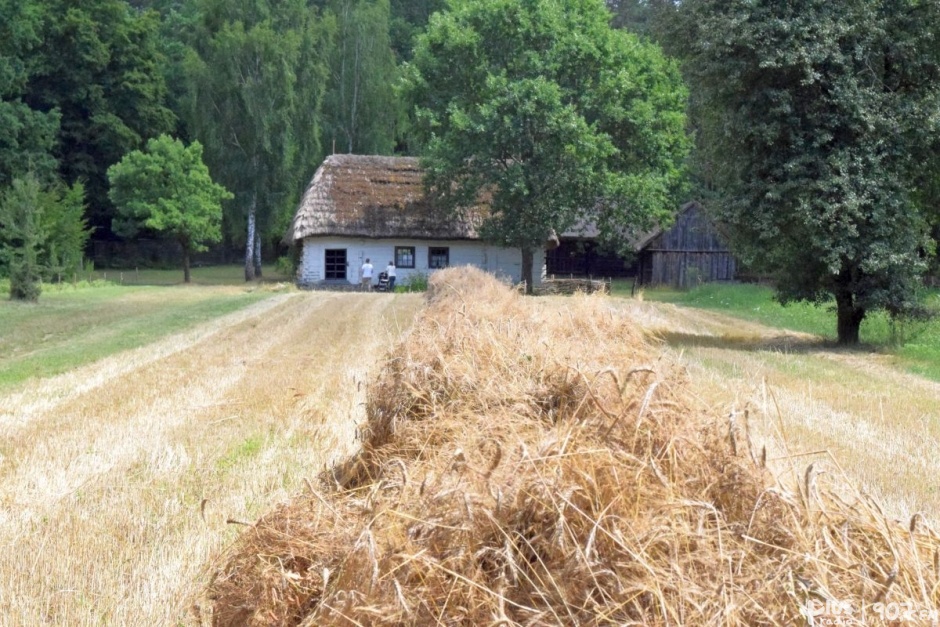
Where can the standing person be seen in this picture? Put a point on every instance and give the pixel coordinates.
(390, 273)
(365, 275)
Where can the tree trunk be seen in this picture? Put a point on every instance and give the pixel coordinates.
(528, 259)
(250, 244)
(849, 318)
(186, 277)
(257, 252)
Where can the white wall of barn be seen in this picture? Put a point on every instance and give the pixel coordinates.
(503, 262)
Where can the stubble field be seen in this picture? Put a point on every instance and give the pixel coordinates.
(123, 480)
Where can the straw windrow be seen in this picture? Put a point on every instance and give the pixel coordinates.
(532, 462)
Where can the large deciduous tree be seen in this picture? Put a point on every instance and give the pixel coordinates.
(167, 189)
(554, 116)
(814, 118)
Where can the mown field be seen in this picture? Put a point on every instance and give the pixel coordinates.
(186, 410)
(142, 425)
(539, 461)
(74, 324)
(872, 411)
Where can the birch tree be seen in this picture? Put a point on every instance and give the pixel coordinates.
(360, 106)
(249, 107)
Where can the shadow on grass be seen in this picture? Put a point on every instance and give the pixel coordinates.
(783, 343)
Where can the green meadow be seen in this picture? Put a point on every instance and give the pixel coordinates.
(77, 323)
(914, 343)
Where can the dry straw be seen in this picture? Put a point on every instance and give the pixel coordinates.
(539, 462)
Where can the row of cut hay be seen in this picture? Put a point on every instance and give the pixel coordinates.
(539, 462)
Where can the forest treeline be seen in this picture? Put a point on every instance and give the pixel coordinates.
(267, 87)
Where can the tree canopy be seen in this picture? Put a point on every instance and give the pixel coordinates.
(167, 189)
(26, 135)
(266, 87)
(814, 118)
(359, 107)
(554, 116)
(99, 69)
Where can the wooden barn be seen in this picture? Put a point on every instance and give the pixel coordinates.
(690, 252)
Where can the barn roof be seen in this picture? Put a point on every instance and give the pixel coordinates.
(638, 241)
(589, 231)
(374, 197)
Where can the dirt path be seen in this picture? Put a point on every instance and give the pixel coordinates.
(117, 479)
(810, 402)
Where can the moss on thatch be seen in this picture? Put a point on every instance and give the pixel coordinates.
(539, 462)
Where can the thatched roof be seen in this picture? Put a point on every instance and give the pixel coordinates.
(638, 241)
(374, 197)
(589, 231)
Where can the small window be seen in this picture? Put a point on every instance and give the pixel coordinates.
(404, 256)
(438, 258)
(335, 263)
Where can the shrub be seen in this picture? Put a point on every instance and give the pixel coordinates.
(416, 282)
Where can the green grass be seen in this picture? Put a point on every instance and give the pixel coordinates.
(74, 324)
(244, 451)
(915, 344)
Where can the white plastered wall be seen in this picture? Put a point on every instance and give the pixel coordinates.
(505, 263)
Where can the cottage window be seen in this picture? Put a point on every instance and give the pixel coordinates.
(405, 256)
(438, 257)
(335, 266)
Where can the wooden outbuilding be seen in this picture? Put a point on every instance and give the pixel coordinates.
(690, 252)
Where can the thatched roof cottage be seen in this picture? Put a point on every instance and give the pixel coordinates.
(358, 207)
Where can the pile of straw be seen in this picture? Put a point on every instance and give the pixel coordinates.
(539, 462)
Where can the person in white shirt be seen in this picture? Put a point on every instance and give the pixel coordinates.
(365, 275)
(390, 273)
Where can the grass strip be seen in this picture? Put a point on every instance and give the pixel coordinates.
(915, 344)
(71, 327)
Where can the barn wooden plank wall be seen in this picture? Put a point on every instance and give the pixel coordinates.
(689, 253)
(687, 269)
